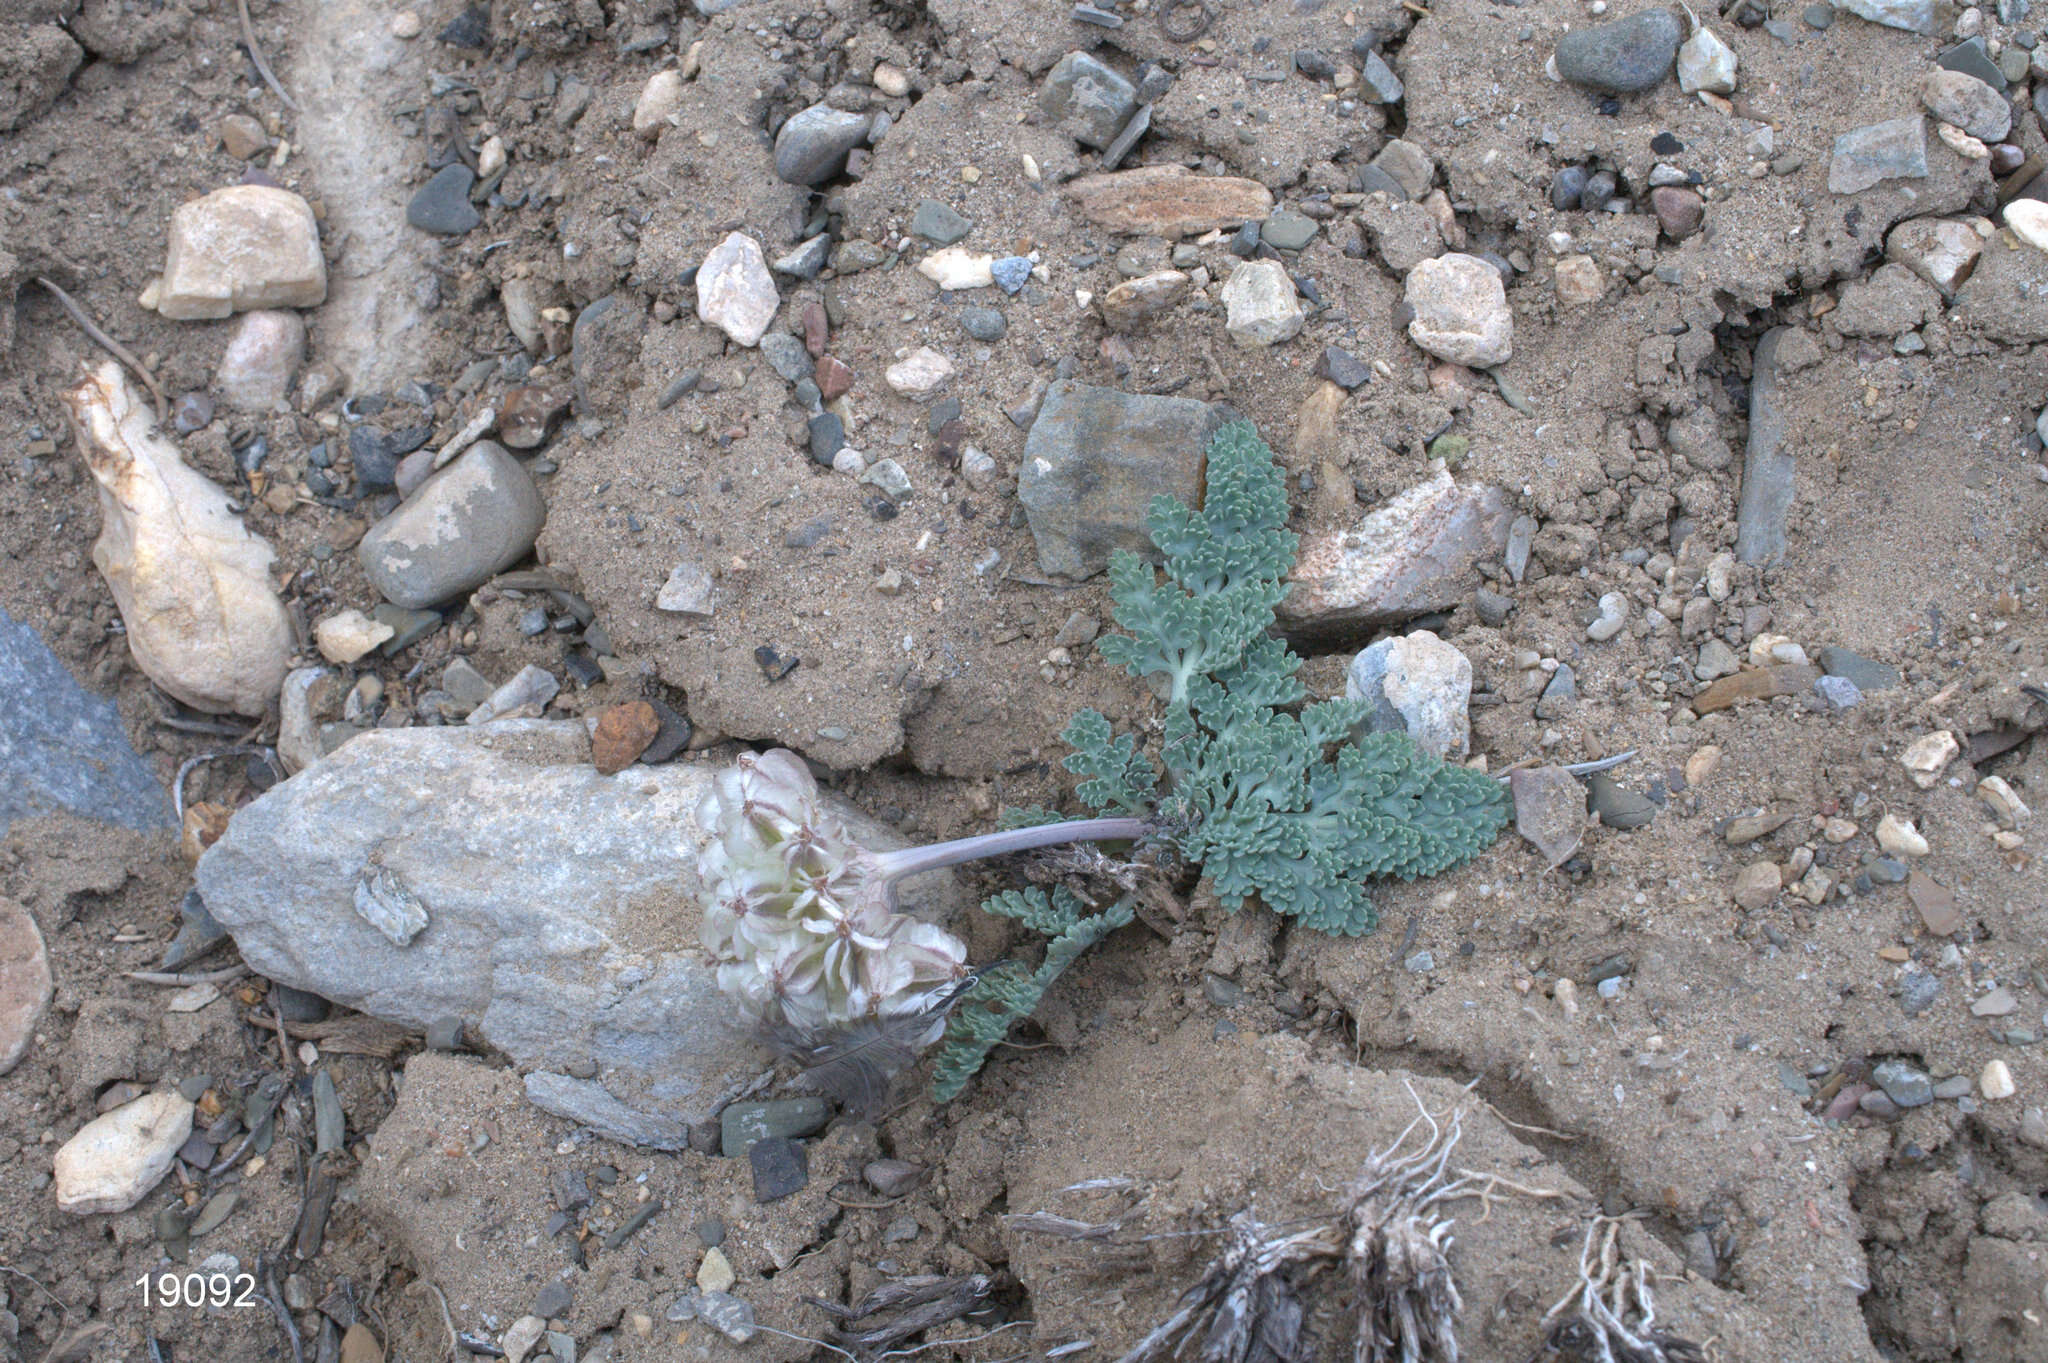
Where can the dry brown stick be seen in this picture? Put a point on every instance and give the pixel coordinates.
(110, 345)
(256, 56)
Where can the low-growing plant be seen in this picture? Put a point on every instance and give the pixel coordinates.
(1270, 798)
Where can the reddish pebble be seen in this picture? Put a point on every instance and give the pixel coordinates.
(623, 733)
(816, 332)
(529, 415)
(1679, 211)
(834, 378)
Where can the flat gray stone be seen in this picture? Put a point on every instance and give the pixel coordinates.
(1622, 56)
(811, 145)
(477, 517)
(1094, 461)
(741, 1124)
(1087, 99)
(562, 908)
(1914, 16)
(1768, 468)
(1867, 675)
(1973, 58)
(1378, 84)
(1288, 230)
(938, 223)
(63, 748)
(442, 205)
(1893, 150)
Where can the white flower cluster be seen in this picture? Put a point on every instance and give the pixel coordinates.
(802, 920)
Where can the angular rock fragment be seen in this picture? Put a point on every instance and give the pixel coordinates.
(243, 247)
(1168, 201)
(1418, 553)
(1095, 459)
(192, 584)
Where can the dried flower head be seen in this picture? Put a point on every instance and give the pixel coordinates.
(802, 920)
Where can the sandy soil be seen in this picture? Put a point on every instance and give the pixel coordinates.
(1236, 1062)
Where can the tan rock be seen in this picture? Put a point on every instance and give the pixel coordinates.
(243, 137)
(1461, 311)
(1760, 683)
(2003, 801)
(243, 247)
(114, 1160)
(1131, 304)
(25, 982)
(1413, 555)
(1700, 767)
(1758, 885)
(1941, 251)
(348, 635)
(1168, 201)
(191, 582)
(659, 100)
(1579, 281)
(920, 374)
(1926, 756)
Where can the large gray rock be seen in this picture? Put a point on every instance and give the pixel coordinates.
(811, 146)
(1893, 150)
(1767, 466)
(1418, 553)
(63, 748)
(1622, 56)
(562, 909)
(1094, 461)
(1087, 98)
(478, 516)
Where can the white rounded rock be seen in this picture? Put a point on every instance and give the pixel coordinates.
(1898, 837)
(348, 635)
(1263, 307)
(920, 374)
(2028, 219)
(262, 358)
(1419, 685)
(735, 292)
(891, 80)
(1460, 311)
(1996, 1081)
(114, 1160)
(1613, 615)
(659, 101)
(956, 267)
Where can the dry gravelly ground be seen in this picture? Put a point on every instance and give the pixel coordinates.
(1916, 540)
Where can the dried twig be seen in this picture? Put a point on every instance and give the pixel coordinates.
(256, 56)
(284, 1317)
(111, 346)
(455, 1350)
(233, 972)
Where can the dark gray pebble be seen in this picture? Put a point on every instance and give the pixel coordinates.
(781, 1167)
(983, 324)
(553, 1300)
(1566, 187)
(827, 436)
(1622, 56)
(442, 205)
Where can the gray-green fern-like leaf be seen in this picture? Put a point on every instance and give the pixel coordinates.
(1277, 805)
(1007, 992)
